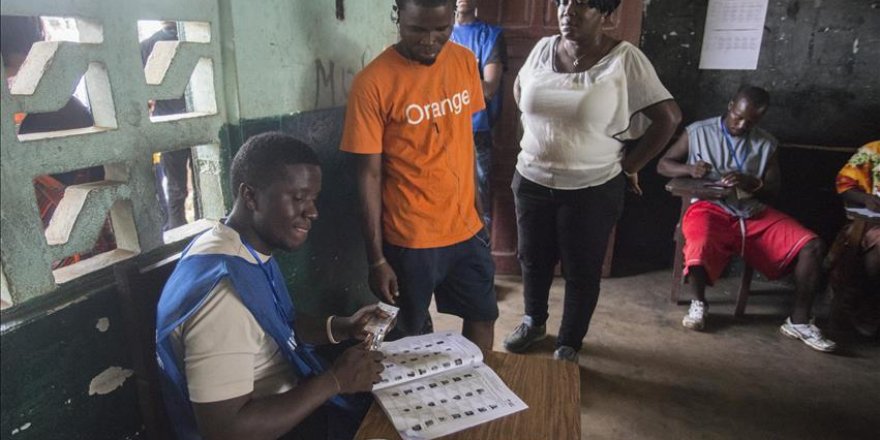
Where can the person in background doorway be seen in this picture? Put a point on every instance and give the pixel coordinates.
(173, 163)
(408, 125)
(488, 45)
(581, 93)
(733, 151)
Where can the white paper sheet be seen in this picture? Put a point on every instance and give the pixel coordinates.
(434, 385)
(733, 33)
(864, 212)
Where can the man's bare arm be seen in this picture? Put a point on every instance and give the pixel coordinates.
(382, 279)
(492, 73)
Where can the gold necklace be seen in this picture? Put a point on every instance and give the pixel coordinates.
(577, 60)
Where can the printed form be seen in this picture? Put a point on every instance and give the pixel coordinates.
(733, 34)
(437, 384)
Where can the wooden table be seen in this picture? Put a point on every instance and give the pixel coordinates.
(550, 388)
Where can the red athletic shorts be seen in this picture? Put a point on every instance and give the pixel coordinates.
(712, 236)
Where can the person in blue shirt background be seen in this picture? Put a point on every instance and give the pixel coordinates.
(487, 43)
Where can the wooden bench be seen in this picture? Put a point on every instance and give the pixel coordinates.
(139, 288)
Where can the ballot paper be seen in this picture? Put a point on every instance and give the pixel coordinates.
(437, 384)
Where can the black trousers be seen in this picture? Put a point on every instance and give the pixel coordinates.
(572, 226)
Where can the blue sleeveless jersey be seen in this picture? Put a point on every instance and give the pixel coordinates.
(481, 38)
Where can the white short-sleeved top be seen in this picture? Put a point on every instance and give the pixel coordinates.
(573, 123)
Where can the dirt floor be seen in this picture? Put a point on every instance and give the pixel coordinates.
(644, 376)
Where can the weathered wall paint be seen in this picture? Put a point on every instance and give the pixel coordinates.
(48, 367)
(819, 60)
(299, 56)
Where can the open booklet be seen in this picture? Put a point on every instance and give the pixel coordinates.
(437, 384)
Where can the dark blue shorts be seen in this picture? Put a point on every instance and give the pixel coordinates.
(461, 275)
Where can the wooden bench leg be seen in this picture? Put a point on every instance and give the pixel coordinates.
(742, 297)
(677, 269)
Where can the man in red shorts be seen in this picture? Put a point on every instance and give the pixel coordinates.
(734, 152)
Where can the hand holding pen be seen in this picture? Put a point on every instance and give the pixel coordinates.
(701, 168)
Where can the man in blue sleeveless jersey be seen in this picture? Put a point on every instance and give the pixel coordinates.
(234, 355)
(733, 151)
(487, 44)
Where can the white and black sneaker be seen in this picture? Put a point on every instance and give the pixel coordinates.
(696, 316)
(809, 334)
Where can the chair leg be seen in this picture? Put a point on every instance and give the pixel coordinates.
(677, 268)
(743, 296)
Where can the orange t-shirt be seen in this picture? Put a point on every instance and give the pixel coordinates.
(419, 118)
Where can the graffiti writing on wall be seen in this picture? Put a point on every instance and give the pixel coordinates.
(333, 80)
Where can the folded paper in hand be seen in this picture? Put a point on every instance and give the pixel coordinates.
(379, 327)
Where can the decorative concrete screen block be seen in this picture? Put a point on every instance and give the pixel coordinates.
(176, 67)
(122, 140)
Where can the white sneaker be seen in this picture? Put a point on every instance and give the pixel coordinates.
(696, 317)
(809, 333)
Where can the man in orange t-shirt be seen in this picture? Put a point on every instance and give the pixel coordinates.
(409, 124)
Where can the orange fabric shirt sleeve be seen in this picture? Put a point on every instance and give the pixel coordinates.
(364, 122)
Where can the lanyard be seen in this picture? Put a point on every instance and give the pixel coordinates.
(747, 148)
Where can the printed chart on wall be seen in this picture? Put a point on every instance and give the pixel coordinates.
(732, 38)
(437, 384)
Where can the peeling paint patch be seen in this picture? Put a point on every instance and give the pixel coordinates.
(103, 325)
(22, 428)
(685, 45)
(673, 33)
(856, 46)
(109, 380)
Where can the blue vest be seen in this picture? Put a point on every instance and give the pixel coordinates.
(481, 38)
(187, 291)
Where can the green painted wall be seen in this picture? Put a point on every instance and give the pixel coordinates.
(299, 56)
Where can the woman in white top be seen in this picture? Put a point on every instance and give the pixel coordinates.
(581, 93)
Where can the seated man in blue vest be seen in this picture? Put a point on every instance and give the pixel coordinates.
(234, 355)
(732, 151)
